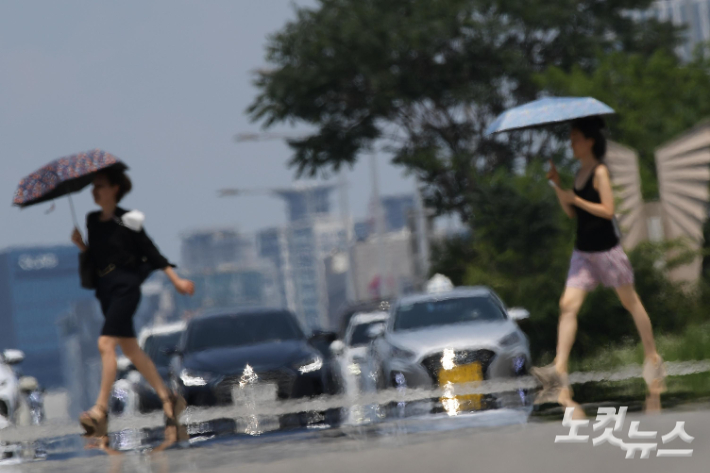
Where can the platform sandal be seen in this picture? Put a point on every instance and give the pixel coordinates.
(94, 426)
(179, 405)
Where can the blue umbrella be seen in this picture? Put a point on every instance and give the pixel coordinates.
(547, 111)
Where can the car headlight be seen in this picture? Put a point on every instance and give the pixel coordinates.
(310, 365)
(194, 378)
(510, 339)
(401, 353)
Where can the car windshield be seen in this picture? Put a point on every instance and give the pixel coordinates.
(446, 312)
(241, 329)
(359, 336)
(155, 346)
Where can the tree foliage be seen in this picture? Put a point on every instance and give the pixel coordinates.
(425, 78)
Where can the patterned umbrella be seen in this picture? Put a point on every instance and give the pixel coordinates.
(547, 111)
(63, 176)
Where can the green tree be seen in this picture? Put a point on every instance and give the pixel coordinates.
(656, 97)
(427, 77)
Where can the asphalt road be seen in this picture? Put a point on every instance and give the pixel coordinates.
(448, 445)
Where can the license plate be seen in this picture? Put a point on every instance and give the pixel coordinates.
(254, 393)
(461, 374)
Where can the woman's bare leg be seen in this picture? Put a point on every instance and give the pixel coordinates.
(631, 302)
(570, 303)
(145, 366)
(107, 350)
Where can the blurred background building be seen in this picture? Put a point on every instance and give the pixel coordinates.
(78, 329)
(397, 209)
(272, 246)
(227, 271)
(312, 235)
(207, 249)
(323, 261)
(37, 285)
(237, 287)
(693, 14)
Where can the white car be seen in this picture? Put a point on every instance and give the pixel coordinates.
(351, 353)
(9, 387)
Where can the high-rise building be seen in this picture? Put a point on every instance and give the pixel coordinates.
(310, 242)
(305, 200)
(236, 287)
(208, 249)
(363, 229)
(400, 276)
(298, 251)
(272, 246)
(396, 209)
(37, 286)
(693, 14)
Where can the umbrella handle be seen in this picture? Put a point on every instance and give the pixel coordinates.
(73, 214)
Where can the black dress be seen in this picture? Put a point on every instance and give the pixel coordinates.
(594, 234)
(121, 257)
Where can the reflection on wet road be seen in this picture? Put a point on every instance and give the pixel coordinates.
(399, 419)
(521, 447)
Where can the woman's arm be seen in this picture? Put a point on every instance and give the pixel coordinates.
(554, 177)
(78, 240)
(183, 286)
(603, 185)
(565, 203)
(158, 261)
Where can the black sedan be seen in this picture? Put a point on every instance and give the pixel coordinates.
(220, 349)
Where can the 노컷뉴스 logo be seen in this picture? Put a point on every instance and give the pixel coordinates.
(609, 421)
(34, 262)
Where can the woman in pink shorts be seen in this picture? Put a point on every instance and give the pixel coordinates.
(598, 258)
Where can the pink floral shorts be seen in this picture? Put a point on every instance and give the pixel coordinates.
(610, 268)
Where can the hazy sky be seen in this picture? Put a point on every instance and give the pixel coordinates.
(162, 85)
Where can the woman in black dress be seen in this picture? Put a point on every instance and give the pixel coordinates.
(121, 256)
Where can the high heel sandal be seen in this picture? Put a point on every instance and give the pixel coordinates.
(178, 404)
(552, 384)
(654, 373)
(94, 427)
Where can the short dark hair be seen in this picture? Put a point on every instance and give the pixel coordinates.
(591, 127)
(117, 177)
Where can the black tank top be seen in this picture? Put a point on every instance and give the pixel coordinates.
(593, 233)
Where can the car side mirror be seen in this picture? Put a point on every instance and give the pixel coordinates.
(376, 331)
(13, 357)
(518, 313)
(337, 348)
(323, 336)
